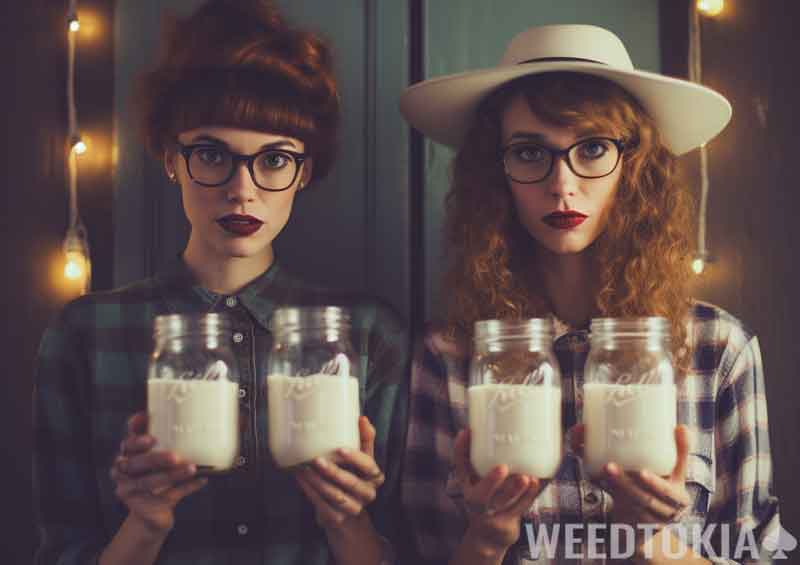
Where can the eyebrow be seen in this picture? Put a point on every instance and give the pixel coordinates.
(218, 141)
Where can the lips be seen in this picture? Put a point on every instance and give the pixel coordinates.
(564, 220)
(239, 225)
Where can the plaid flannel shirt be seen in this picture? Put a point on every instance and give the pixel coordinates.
(91, 378)
(722, 400)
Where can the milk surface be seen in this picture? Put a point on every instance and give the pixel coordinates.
(198, 419)
(515, 425)
(311, 416)
(631, 425)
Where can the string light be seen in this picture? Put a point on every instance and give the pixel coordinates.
(696, 75)
(711, 7)
(77, 262)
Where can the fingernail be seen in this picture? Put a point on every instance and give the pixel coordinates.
(612, 469)
(342, 451)
(321, 462)
(646, 475)
(192, 469)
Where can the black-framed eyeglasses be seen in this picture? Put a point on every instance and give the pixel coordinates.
(592, 158)
(212, 165)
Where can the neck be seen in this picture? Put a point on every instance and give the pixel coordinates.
(225, 274)
(570, 283)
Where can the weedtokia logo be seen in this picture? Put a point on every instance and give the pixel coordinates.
(616, 541)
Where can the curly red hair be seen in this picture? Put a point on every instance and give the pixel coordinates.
(643, 253)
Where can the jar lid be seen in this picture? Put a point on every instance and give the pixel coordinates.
(653, 326)
(510, 329)
(292, 317)
(174, 325)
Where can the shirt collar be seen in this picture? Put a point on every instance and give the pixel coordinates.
(259, 297)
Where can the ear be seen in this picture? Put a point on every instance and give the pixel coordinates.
(306, 174)
(170, 164)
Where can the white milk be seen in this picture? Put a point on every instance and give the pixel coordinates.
(631, 425)
(311, 416)
(198, 419)
(515, 425)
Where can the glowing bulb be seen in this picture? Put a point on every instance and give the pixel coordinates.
(75, 267)
(74, 24)
(710, 7)
(698, 265)
(79, 147)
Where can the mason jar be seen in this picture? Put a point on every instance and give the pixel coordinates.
(312, 385)
(193, 390)
(629, 397)
(514, 398)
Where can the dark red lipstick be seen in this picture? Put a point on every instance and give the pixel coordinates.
(239, 225)
(564, 220)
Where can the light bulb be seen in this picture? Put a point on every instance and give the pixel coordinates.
(75, 267)
(710, 7)
(74, 24)
(79, 147)
(698, 265)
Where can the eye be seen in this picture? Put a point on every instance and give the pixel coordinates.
(275, 160)
(529, 153)
(210, 155)
(593, 148)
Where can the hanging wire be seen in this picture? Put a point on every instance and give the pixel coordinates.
(76, 242)
(696, 75)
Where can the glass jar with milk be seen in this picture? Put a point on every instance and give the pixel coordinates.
(312, 385)
(193, 390)
(629, 399)
(514, 398)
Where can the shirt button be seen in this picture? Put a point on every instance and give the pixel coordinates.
(591, 498)
(242, 529)
(241, 460)
(238, 337)
(242, 392)
(230, 302)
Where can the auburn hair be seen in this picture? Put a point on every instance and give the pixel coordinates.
(643, 253)
(237, 63)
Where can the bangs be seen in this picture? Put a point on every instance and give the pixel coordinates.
(256, 101)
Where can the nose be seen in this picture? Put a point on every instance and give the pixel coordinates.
(241, 187)
(562, 181)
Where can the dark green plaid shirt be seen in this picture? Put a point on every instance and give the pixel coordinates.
(91, 378)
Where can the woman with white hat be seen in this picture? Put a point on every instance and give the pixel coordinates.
(565, 203)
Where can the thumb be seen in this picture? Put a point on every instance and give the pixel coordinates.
(683, 443)
(137, 424)
(366, 432)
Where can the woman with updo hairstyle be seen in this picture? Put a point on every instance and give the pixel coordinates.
(243, 111)
(565, 204)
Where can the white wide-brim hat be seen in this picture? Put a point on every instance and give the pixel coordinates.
(686, 113)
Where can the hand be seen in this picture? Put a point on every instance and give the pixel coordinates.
(641, 497)
(340, 489)
(494, 503)
(149, 482)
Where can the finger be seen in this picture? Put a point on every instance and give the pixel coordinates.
(673, 493)
(621, 484)
(133, 445)
(326, 513)
(509, 492)
(366, 432)
(137, 423)
(164, 480)
(362, 464)
(346, 491)
(350, 483)
(683, 443)
(149, 462)
(336, 503)
(577, 438)
(524, 502)
(182, 490)
(463, 468)
(481, 493)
